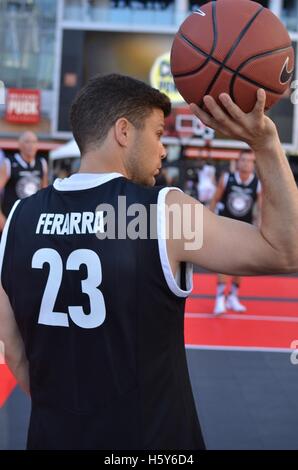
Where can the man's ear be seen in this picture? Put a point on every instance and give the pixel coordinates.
(122, 129)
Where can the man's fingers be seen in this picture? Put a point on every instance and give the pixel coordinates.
(219, 115)
(203, 116)
(225, 123)
(261, 102)
(231, 120)
(234, 111)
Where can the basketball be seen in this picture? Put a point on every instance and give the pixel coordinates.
(232, 46)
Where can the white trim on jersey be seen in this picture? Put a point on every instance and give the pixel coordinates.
(44, 165)
(4, 235)
(162, 246)
(225, 179)
(8, 166)
(247, 181)
(23, 162)
(83, 181)
(239, 181)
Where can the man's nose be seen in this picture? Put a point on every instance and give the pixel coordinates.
(163, 152)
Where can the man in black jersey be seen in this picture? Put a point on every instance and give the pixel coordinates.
(236, 195)
(93, 323)
(22, 175)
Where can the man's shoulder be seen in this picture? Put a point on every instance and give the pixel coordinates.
(141, 191)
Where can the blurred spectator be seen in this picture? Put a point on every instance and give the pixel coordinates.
(22, 175)
(206, 184)
(237, 193)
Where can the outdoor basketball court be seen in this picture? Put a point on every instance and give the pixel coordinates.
(244, 382)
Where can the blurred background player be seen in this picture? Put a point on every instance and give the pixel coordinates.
(22, 175)
(236, 196)
(206, 184)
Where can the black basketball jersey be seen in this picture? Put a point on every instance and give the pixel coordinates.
(25, 180)
(239, 198)
(102, 327)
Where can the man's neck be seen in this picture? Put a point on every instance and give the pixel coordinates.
(27, 158)
(93, 163)
(99, 170)
(244, 176)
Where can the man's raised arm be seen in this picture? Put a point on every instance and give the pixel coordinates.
(231, 246)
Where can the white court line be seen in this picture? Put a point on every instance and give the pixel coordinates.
(239, 348)
(243, 316)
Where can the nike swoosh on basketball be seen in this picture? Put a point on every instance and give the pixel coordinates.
(285, 73)
(200, 12)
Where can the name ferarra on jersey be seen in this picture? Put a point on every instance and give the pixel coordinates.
(70, 223)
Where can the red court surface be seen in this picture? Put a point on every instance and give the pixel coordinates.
(7, 384)
(263, 286)
(271, 319)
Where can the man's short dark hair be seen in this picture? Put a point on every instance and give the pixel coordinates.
(105, 99)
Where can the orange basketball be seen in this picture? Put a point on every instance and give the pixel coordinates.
(232, 46)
